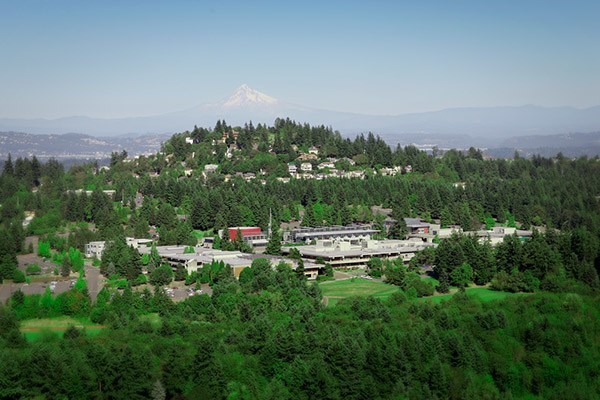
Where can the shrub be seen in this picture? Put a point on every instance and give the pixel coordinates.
(18, 276)
(33, 269)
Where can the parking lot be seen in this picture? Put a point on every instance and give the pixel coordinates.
(180, 293)
(7, 289)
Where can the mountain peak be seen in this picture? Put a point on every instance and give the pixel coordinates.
(245, 95)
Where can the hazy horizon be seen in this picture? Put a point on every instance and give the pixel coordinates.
(114, 59)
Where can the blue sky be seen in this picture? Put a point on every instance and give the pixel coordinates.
(127, 58)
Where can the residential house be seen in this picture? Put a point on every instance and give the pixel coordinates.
(326, 164)
(306, 167)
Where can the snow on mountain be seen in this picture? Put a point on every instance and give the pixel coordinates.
(246, 96)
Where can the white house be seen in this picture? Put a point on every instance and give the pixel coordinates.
(210, 168)
(326, 164)
(306, 167)
(189, 140)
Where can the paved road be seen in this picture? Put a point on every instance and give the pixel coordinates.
(95, 281)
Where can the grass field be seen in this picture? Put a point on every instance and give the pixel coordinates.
(337, 290)
(201, 234)
(34, 329)
(483, 293)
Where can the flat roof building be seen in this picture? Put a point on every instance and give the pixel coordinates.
(348, 232)
(192, 262)
(356, 253)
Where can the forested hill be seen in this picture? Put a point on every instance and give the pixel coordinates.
(286, 139)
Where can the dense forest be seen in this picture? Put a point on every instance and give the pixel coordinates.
(268, 335)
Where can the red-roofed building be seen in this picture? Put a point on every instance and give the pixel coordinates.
(245, 230)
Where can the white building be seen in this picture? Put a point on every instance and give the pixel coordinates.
(94, 249)
(306, 167)
(210, 168)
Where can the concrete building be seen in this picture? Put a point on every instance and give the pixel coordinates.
(96, 249)
(192, 262)
(496, 234)
(349, 232)
(356, 253)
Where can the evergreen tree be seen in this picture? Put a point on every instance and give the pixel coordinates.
(274, 244)
(8, 166)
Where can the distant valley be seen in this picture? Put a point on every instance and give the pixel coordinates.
(75, 145)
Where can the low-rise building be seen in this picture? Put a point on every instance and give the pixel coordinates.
(194, 261)
(348, 232)
(357, 253)
(96, 248)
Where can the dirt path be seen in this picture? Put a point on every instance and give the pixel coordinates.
(62, 328)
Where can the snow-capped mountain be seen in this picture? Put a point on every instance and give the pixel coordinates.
(246, 96)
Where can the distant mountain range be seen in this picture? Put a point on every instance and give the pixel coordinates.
(455, 127)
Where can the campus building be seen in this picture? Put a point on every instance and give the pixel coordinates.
(349, 232)
(356, 253)
(200, 256)
(96, 249)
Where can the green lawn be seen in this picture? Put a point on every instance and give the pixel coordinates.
(337, 290)
(483, 293)
(201, 234)
(34, 329)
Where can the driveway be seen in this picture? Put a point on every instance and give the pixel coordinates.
(95, 281)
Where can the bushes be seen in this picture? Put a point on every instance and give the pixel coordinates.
(515, 282)
(33, 269)
(18, 276)
(44, 249)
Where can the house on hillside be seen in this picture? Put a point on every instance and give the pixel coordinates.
(326, 164)
(306, 167)
(210, 168)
